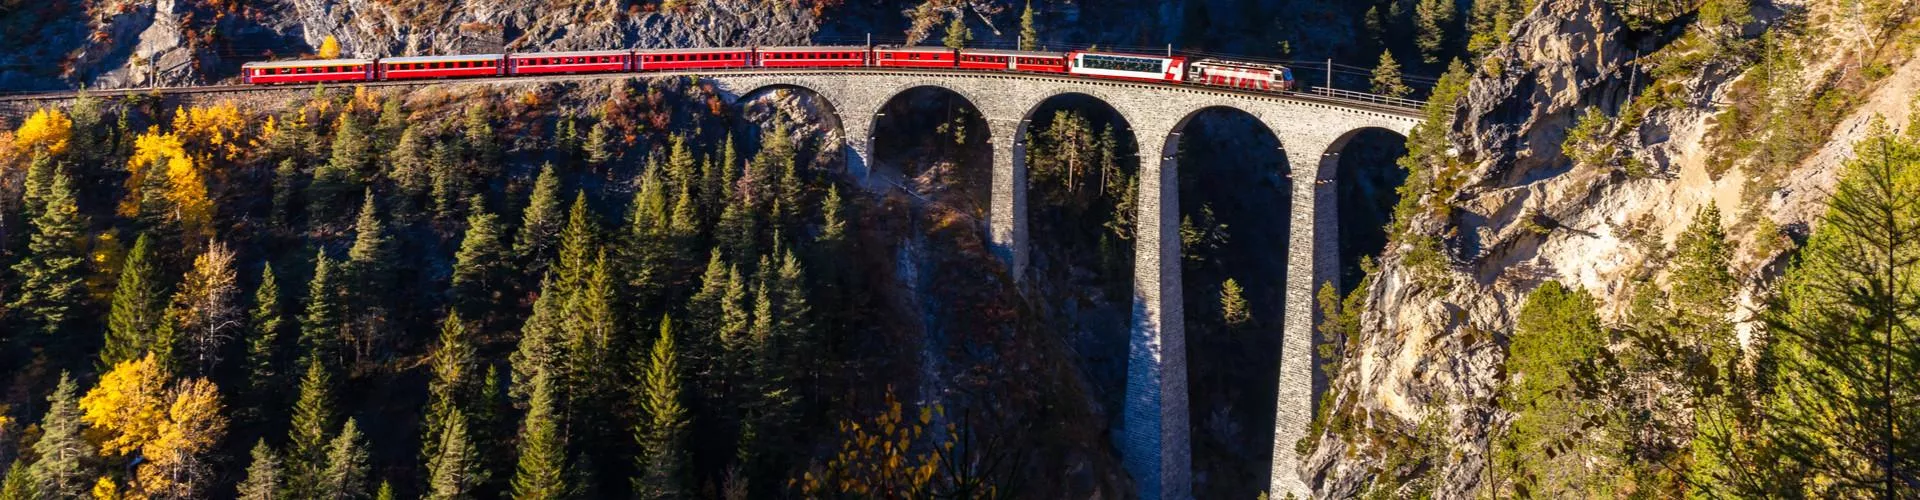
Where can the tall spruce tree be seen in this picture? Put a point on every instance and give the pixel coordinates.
(457, 471)
(476, 266)
(452, 384)
(61, 471)
(1386, 77)
(18, 484)
(541, 224)
(662, 434)
(347, 469)
(1434, 18)
(370, 270)
(1029, 36)
(590, 328)
(138, 299)
(263, 343)
(958, 34)
(50, 275)
(577, 241)
(542, 472)
(266, 476)
(325, 314)
(313, 416)
(541, 348)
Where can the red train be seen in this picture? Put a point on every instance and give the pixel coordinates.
(1103, 65)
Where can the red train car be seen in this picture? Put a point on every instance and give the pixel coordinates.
(411, 68)
(812, 57)
(672, 59)
(601, 61)
(320, 70)
(915, 57)
(1014, 60)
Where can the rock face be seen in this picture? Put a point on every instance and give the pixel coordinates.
(124, 43)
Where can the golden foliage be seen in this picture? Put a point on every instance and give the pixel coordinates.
(194, 425)
(128, 407)
(186, 183)
(329, 48)
(881, 459)
(47, 130)
(218, 129)
(105, 489)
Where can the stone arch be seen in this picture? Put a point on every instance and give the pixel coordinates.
(1360, 166)
(1234, 165)
(851, 149)
(898, 110)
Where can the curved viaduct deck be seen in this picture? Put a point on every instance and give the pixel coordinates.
(1312, 130)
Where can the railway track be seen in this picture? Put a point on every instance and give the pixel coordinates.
(1353, 100)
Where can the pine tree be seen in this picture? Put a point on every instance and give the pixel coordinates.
(265, 477)
(391, 124)
(385, 492)
(958, 35)
(370, 268)
(1434, 18)
(342, 174)
(49, 276)
(263, 343)
(452, 384)
(599, 147)
(735, 318)
(456, 472)
(542, 471)
(447, 186)
(577, 240)
(541, 223)
(476, 267)
(481, 145)
(1553, 354)
(662, 434)
(347, 469)
(1029, 36)
(1702, 284)
(313, 415)
(320, 326)
(1386, 77)
(138, 299)
(18, 484)
(39, 179)
(410, 167)
(61, 471)
(644, 252)
(1233, 305)
(590, 330)
(540, 350)
(284, 179)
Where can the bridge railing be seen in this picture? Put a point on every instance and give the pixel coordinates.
(1367, 98)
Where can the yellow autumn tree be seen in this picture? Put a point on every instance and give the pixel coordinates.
(174, 465)
(185, 180)
(46, 130)
(128, 408)
(891, 456)
(214, 129)
(187, 189)
(106, 489)
(329, 48)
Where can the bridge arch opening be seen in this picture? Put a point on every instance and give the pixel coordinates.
(1082, 164)
(1236, 197)
(934, 144)
(1366, 179)
(812, 124)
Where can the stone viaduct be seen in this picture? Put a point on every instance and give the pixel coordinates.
(1154, 444)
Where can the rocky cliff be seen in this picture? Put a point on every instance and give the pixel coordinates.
(1510, 210)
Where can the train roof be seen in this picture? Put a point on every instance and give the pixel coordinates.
(418, 59)
(1017, 53)
(306, 63)
(913, 48)
(1221, 62)
(815, 48)
(574, 53)
(1125, 54)
(707, 50)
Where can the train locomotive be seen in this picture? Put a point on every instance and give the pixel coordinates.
(1103, 65)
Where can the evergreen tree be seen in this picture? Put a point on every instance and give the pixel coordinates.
(448, 187)
(1233, 306)
(391, 124)
(644, 254)
(1839, 422)
(958, 35)
(369, 268)
(452, 383)
(265, 477)
(19, 483)
(34, 188)
(481, 145)
(1386, 77)
(541, 224)
(736, 320)
(456, 472)
(409, 167)
(590, 330)
(661, 436)
(476, 267)
(577, 240)
(542, 471)
(263, 343)
(1554, 355)
(61, 471)
(284, 179)
(1702, 284)
(138, 299)
(342, 173)
(49, 276)
(385, 492)
(599, 146)
(540, 349)
(1433, 18)
(1029, 36)
(313, 415)
(320, 326)
(347, 469)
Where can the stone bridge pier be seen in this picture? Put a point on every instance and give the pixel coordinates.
(1153, 440)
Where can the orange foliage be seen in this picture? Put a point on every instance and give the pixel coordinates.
(881, 459)
(218, 129)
